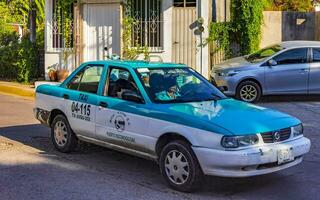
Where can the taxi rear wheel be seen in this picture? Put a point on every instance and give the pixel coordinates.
(62, 136)
(179, 167)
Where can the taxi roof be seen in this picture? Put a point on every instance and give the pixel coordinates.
(136, 63)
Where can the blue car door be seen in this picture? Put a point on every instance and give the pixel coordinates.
(123, 122)
(290, 75)
(314, 77)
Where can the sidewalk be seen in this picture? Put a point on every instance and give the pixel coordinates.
(16, 89)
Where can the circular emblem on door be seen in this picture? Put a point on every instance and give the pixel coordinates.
(276, 136)
(120, 123)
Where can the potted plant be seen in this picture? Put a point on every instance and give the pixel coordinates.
(52, 73)
(63, 73)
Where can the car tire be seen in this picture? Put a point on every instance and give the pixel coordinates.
(62, 136)
(249, 91)
(175, 157)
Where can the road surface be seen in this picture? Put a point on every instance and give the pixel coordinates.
(30, 168)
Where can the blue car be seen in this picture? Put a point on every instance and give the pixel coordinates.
(170, 114)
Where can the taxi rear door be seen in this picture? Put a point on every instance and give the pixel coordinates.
(81, 99)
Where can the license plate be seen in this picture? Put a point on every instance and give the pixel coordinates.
(285, 155)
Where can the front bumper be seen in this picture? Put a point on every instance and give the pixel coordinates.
(250, 162)
(42, 115)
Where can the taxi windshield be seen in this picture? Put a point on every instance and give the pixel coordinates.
(176, 85)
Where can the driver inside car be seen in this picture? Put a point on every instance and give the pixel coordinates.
(171, 92)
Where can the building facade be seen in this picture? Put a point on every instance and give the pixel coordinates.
(173, 30)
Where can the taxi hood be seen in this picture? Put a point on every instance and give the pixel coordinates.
(235, 117)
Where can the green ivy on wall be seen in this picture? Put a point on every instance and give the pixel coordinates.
(244, 28)
(63, 15)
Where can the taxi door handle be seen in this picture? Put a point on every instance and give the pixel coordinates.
(65, 96)
(103, 104)
(303, 71)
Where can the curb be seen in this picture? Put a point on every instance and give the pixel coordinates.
(7, 88)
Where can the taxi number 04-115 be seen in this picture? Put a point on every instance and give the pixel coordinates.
(81, 111)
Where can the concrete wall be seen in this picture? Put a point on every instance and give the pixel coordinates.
(285, 26)
(298, 26)
(317, 26)
(271, 28)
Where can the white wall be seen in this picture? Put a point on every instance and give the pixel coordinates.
(203, 54)
(54, 56)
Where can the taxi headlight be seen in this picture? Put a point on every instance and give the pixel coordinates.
(297, 130)
(239, 141)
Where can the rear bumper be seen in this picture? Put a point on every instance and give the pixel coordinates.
(42, 115)
(250, 162)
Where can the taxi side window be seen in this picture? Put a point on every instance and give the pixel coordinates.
(87, 80)
(120, 80)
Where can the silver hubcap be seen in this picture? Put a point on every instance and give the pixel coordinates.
(60, 133)
(248, 93)
(177, 167)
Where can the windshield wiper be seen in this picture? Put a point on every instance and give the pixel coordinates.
(217, 97)
(173, 101)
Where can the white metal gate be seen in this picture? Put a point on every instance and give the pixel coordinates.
(184, 39)
(101, 28)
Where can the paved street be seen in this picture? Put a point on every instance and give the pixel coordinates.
(30, 168)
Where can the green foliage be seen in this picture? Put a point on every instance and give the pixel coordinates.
(63, 14)
(18, 60)
(291, 5)
(131, 52)
(6, 29)
(18, 57)
(26, 61)
(7, 36)
(8, 56)
(244, 28)
(247, 19)
(23, 7)
(9, 12)
(219, 33)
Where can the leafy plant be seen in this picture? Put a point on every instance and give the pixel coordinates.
(219, 34)
(131, 52)
(291, 5)
(63, 15)
(26, 61)
(244, 28)
(19, 60)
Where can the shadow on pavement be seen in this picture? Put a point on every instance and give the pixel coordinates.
(290, 98)
(123, 167)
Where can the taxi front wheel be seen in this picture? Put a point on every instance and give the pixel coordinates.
(62, 136)
(179, 166)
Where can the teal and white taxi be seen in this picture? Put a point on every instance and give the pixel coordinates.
(169, 113)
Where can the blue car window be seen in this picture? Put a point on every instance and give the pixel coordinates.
(120, 81)
(87, 80)
(174, 85)
(316, 55)
(294, 56)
